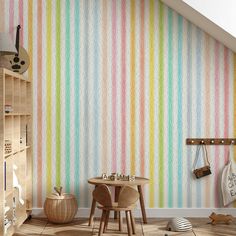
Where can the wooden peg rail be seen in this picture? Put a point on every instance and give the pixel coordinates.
(211, 141)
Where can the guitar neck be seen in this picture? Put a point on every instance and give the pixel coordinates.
(17, 38)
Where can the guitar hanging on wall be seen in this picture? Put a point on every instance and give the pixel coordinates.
(20, 61)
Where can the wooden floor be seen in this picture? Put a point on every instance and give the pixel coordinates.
(155, 227)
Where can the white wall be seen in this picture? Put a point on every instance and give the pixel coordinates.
(221, 12)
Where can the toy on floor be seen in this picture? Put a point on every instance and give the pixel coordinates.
(179, 224)
(216, 218)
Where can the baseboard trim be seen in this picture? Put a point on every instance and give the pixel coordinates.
(155, 212)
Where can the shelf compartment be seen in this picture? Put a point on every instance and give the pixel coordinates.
(16, 96)
(22, 95)
(28, 105)
(9, 93)
(23, 131)
(8, 177)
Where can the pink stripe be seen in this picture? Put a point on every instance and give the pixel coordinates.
(207, 108)
(11, 19)
(21, 21)
(123, 86)
(114, 88)
(226, 99)
(142, 90)
(217, 128)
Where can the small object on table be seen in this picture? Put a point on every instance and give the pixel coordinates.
(131, 177)
(60, 207)
(113, 177)
(104, 176)
(216, 218)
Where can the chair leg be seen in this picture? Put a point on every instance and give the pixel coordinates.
(128, 222)
(102, 221)
(132, 222)
(120, 221)
(106, 221)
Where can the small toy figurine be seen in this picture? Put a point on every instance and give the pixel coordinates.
(216, 218)
(131, 177)
(104, 176)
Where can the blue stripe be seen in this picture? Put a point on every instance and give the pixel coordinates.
(77, 100)
(189, 114)
(96, 89)
(67, 97)
(199, 104)
(86, 99)
(180, 125)
(170, 108)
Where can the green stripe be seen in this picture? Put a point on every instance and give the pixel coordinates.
(49, 99)
(58, 93)
(152, 103)
(170, 108)
(77, 99)
(161, 105)
(67, 97)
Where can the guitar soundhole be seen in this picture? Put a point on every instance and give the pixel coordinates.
(17, 63)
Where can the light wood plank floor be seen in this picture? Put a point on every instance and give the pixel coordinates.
(155, 227)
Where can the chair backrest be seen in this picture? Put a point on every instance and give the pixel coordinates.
(102, 195)
(128, 196)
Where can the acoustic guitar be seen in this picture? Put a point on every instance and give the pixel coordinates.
(20, 61)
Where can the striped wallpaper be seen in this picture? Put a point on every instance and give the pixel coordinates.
(118, 86)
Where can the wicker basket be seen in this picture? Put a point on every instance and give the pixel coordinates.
(60, 209)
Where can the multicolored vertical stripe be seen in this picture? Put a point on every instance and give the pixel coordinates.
(58, 93)
(132, 86)
(48, 96)
(130, 81)
(151, 102)
(123, 86)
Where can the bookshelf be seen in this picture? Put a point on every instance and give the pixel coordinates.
(15, 150)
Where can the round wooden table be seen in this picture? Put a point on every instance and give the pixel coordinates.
(139, 182)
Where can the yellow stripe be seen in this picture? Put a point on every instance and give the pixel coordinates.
(152, 109)
(48, 99)
(132, 88)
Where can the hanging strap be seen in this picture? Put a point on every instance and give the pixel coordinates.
(204, 149)
(230, 152)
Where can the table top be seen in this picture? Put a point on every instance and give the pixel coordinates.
(137, 181)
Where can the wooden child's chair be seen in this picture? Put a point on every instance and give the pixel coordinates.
(127, 198)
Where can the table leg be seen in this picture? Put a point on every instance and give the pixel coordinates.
(142, 204)
(117, 192)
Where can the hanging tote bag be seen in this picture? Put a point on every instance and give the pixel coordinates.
(228, 180)
(206, 169)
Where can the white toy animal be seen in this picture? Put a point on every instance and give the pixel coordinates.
(179, 224)
(17, 185)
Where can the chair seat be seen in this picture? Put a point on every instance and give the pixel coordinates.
(115, 207)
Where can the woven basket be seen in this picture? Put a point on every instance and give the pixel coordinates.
(60, 209)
